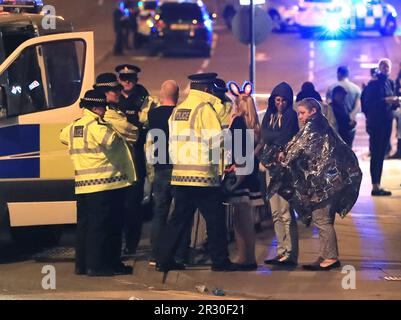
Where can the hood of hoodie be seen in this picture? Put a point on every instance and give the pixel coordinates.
(283, 90)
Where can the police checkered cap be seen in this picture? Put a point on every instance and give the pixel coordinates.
(204, 78)
(107, 81)
(93, 98)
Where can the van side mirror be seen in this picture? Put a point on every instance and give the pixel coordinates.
(3, 103)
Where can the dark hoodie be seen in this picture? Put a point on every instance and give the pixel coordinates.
(280, 132)
(377, 110)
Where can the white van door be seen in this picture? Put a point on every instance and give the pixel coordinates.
(41, 83)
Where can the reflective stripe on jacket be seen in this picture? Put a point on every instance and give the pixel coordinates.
(101, 158)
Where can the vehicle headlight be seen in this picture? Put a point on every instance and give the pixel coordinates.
(333, 24)
(150, 23)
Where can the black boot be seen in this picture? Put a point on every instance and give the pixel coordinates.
(397, 154)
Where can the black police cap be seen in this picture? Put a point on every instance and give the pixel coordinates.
(204, 78)
(107, 82)
(128, 72)
(93, 98)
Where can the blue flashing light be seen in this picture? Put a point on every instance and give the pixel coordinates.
(333, 25)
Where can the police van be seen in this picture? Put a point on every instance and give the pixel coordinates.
(45, 68)
(340, 17)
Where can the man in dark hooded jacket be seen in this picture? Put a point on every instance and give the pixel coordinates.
(379, 101)
(279, 125)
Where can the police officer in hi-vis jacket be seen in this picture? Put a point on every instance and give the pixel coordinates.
(103, 170)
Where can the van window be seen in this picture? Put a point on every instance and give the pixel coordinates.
(45, 76)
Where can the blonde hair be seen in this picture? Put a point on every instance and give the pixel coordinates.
(245, 107)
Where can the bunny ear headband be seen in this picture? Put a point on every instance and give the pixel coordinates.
(247, 88)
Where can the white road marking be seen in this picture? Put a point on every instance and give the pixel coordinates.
(261, 56)
(144, 58)
(311, 76)
(205, 64)
(311, 73)
(366, 65)
(363, 58)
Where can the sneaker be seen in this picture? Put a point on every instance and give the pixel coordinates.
(287, 263)
(381, 193)
(275, 260)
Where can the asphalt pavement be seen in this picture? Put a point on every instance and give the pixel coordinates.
(369, 237)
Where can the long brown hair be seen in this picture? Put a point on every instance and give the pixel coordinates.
(245, 107)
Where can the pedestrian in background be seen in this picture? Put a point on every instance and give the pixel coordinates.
(379, 101)
(103, 170)
(308, 91)
(118, 23)
(343, 123)
(279, 125)
(352, 99)
(397, 116)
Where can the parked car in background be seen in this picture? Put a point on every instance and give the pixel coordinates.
(338, 17)
(283, 14)
(182, 27)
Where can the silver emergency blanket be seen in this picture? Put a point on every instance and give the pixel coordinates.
(318, 168)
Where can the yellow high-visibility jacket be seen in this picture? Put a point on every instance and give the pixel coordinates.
(120, 123)
(195, 141)
(101, 158)
(224, 112)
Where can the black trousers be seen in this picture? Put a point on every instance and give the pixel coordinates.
(379, 137)
(99, 230)
(187, 199)
(162, 198)
(133, 215)
(118, 45)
